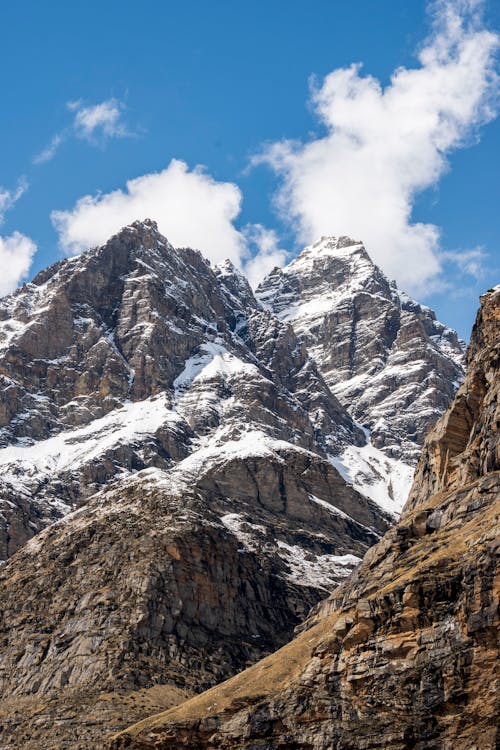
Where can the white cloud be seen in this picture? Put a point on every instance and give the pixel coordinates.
(385, 145)
(16, 256)
(469, 262)
(94, 123)
(16, 250)
(268, 254)
(49, 151)
(9, 197)
(103, 119)
(191, 208)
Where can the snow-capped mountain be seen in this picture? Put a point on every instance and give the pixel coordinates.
(136, 355)
(386, 357)
(174, 475)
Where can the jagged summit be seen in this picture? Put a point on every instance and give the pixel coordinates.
(405, 653)
(137, 354)
(385, 356)
(329, 244)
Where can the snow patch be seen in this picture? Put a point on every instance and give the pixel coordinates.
(320, 571)
(73, 448)
(243, 530)
(383, 479)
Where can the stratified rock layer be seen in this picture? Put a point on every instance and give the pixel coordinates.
(404, 654)
(385, 356)
(136, 354)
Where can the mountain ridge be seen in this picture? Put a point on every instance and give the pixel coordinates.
(404, 654)
(174, 494)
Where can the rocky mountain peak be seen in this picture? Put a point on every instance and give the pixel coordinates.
(387, 359)
(405, 653)
(156, 352)
(237, 286)
(328, 246)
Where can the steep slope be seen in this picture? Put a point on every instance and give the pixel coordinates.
(386, 357)
(404, 654)
(135, 355)
(174, 438)
(179, 579)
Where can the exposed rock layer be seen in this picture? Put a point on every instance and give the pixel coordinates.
(404, 654)
(87, 347)
(386, 357)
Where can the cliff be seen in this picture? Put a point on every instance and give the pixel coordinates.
(405, 653)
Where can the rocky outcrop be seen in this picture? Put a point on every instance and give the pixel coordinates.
(127, 357)
(405, 653)
(172, 579)
(385, 356)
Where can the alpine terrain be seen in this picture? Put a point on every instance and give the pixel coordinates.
(189, 468)
(405, 653)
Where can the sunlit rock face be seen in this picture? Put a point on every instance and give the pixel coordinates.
(385, 356)
(405, 653)
(179, 486)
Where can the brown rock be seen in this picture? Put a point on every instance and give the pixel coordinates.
(405, 653)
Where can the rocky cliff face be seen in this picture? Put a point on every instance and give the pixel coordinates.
(135, 355)
(172, 438)
(404, 654)
(175, 447)
(385, 356)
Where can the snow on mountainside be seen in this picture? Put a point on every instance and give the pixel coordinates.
(178, 482)
(136, 355)
(385, 356)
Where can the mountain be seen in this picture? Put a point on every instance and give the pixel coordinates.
(386, 357)
(405, 653)
(171, 505)
(136, 355)
(88, 342)
(168, 439)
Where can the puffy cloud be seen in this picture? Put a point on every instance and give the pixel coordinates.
(104, 119)
(94, 123)
(267, 253)
(16, 256)
(385, 145)
(16, 250)
(191, 208)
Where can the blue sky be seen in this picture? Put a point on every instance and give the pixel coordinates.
(98, 94)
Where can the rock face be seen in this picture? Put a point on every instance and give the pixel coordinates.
(385, 356)
(170, 503)
(170, 439)
(135, 355)
(405, 653)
